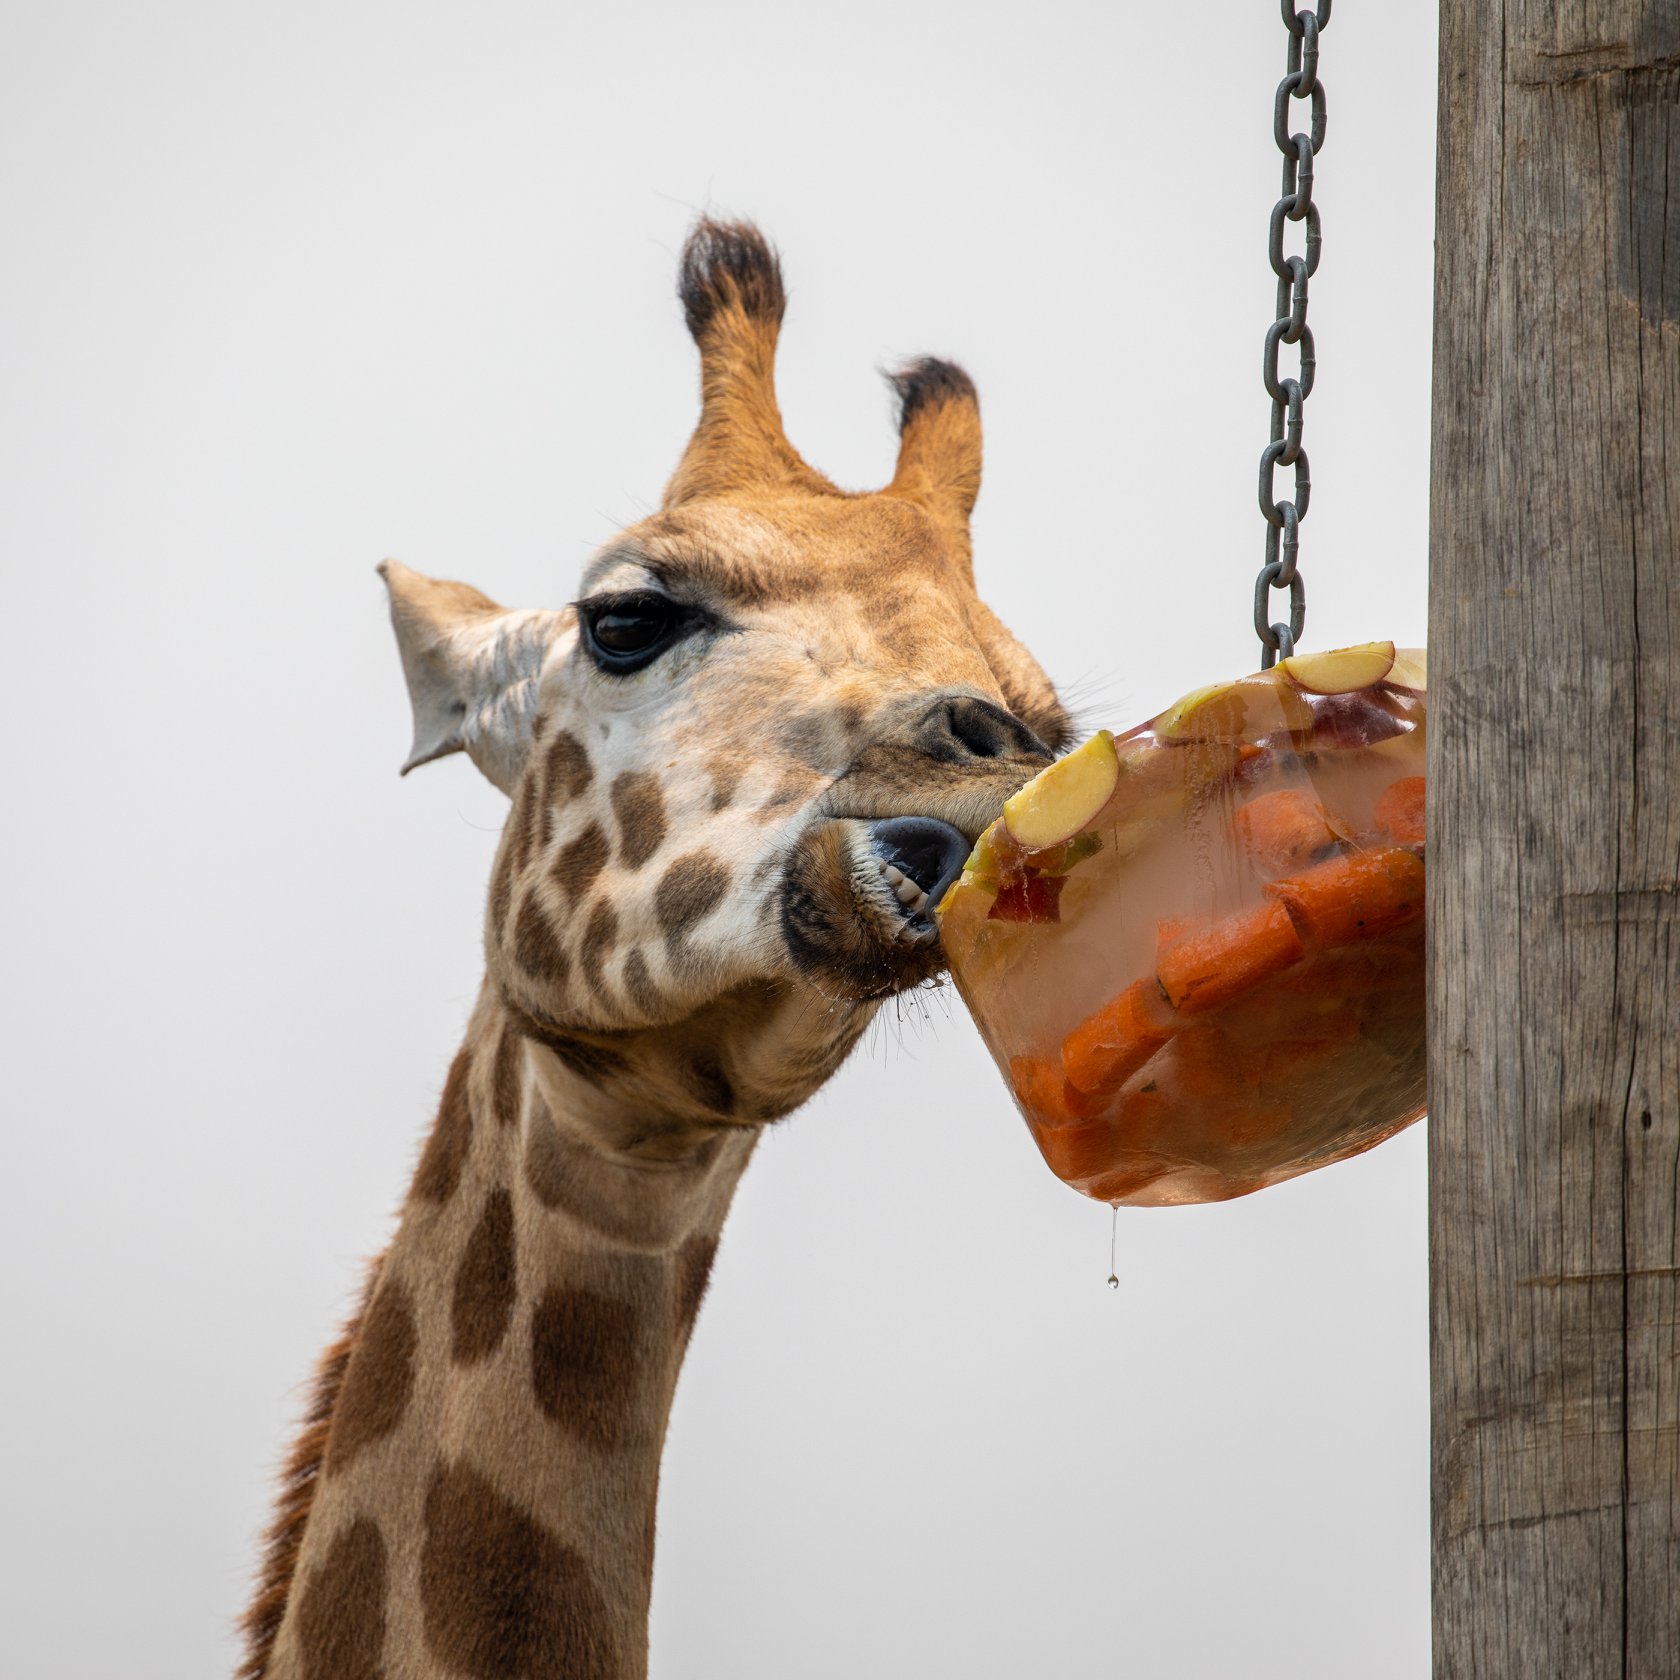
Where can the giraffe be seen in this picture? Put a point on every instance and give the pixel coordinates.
(742, 765)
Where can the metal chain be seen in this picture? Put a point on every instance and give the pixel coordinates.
(1283, 519)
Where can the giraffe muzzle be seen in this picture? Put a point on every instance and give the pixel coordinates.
(919, 858)
(891, 834)
(858, 897)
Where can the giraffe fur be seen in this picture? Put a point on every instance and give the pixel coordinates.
(738, 761)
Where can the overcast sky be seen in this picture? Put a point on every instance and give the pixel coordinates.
(287, 289)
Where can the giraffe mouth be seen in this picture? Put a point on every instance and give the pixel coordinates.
(918, 858)
(858, 898)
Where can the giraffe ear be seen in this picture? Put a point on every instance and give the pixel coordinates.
(472, 670)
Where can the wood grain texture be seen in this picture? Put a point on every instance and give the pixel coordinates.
(1555, 842)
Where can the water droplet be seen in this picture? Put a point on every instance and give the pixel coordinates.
(1113, 1281)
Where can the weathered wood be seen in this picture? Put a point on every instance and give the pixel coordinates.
(1555, 842)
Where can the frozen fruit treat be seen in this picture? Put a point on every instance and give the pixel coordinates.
(1196, 949)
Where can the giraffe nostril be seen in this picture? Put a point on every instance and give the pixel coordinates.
(929, 852)
(982, 730)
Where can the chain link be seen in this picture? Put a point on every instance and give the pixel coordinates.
(1289, 394)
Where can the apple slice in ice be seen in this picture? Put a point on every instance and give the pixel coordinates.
(1062, 801)
(1340, 670)
(1411, 670)
(1244, 710)
(1029, 898)
(986, 867)
(1058, 860)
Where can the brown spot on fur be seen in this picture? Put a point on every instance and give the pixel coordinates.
(446, 1149)
(502, 1597)
(485, 1284)
(649, 1533)
(583, 1363)
(581, 859)
(341, 1617)
(707, 1080)
(505, 1076)
(694, 1272)
(501, 890)
(640, 808)
(802, 1070)
(639, 986)
(789, 793)
(380, 1377)
(808, 737)
(567, 768)
(688, 892)
(536, 944)
(545, 1162)
(554, 1181)
(538, 824)
(298, 1481)
(726, 774)
(587, 1054)
(585, 1058)
(518, 829)
(599, 938)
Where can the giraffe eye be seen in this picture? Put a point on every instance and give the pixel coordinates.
(625, 632)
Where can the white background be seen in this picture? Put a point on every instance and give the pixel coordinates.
(284, 290)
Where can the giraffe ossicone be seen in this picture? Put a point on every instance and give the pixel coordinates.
(742, 764)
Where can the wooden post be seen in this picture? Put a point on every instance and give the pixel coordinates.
(1555, 842)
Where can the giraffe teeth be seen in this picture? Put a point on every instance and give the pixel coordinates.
(912, 899)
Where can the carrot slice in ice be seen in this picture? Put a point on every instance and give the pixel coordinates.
(1142, 1115)
(1046, 1094)
(1314, 1007)
(1258, 1121)
(1400, 811)
(1169, 930)
(1206, 1063)
(1361, 896)
(1107, 1048)
(1282, 831)
(1347, 971)
(1078, 1151)
(1207, 969)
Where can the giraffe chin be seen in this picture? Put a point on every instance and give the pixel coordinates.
(857, 903)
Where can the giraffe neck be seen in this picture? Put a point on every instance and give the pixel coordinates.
(486, 1502)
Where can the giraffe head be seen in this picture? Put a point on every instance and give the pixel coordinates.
(748, 758)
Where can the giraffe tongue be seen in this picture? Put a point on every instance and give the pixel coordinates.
(924, 854)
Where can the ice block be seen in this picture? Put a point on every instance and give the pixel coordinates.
(1195, 950)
